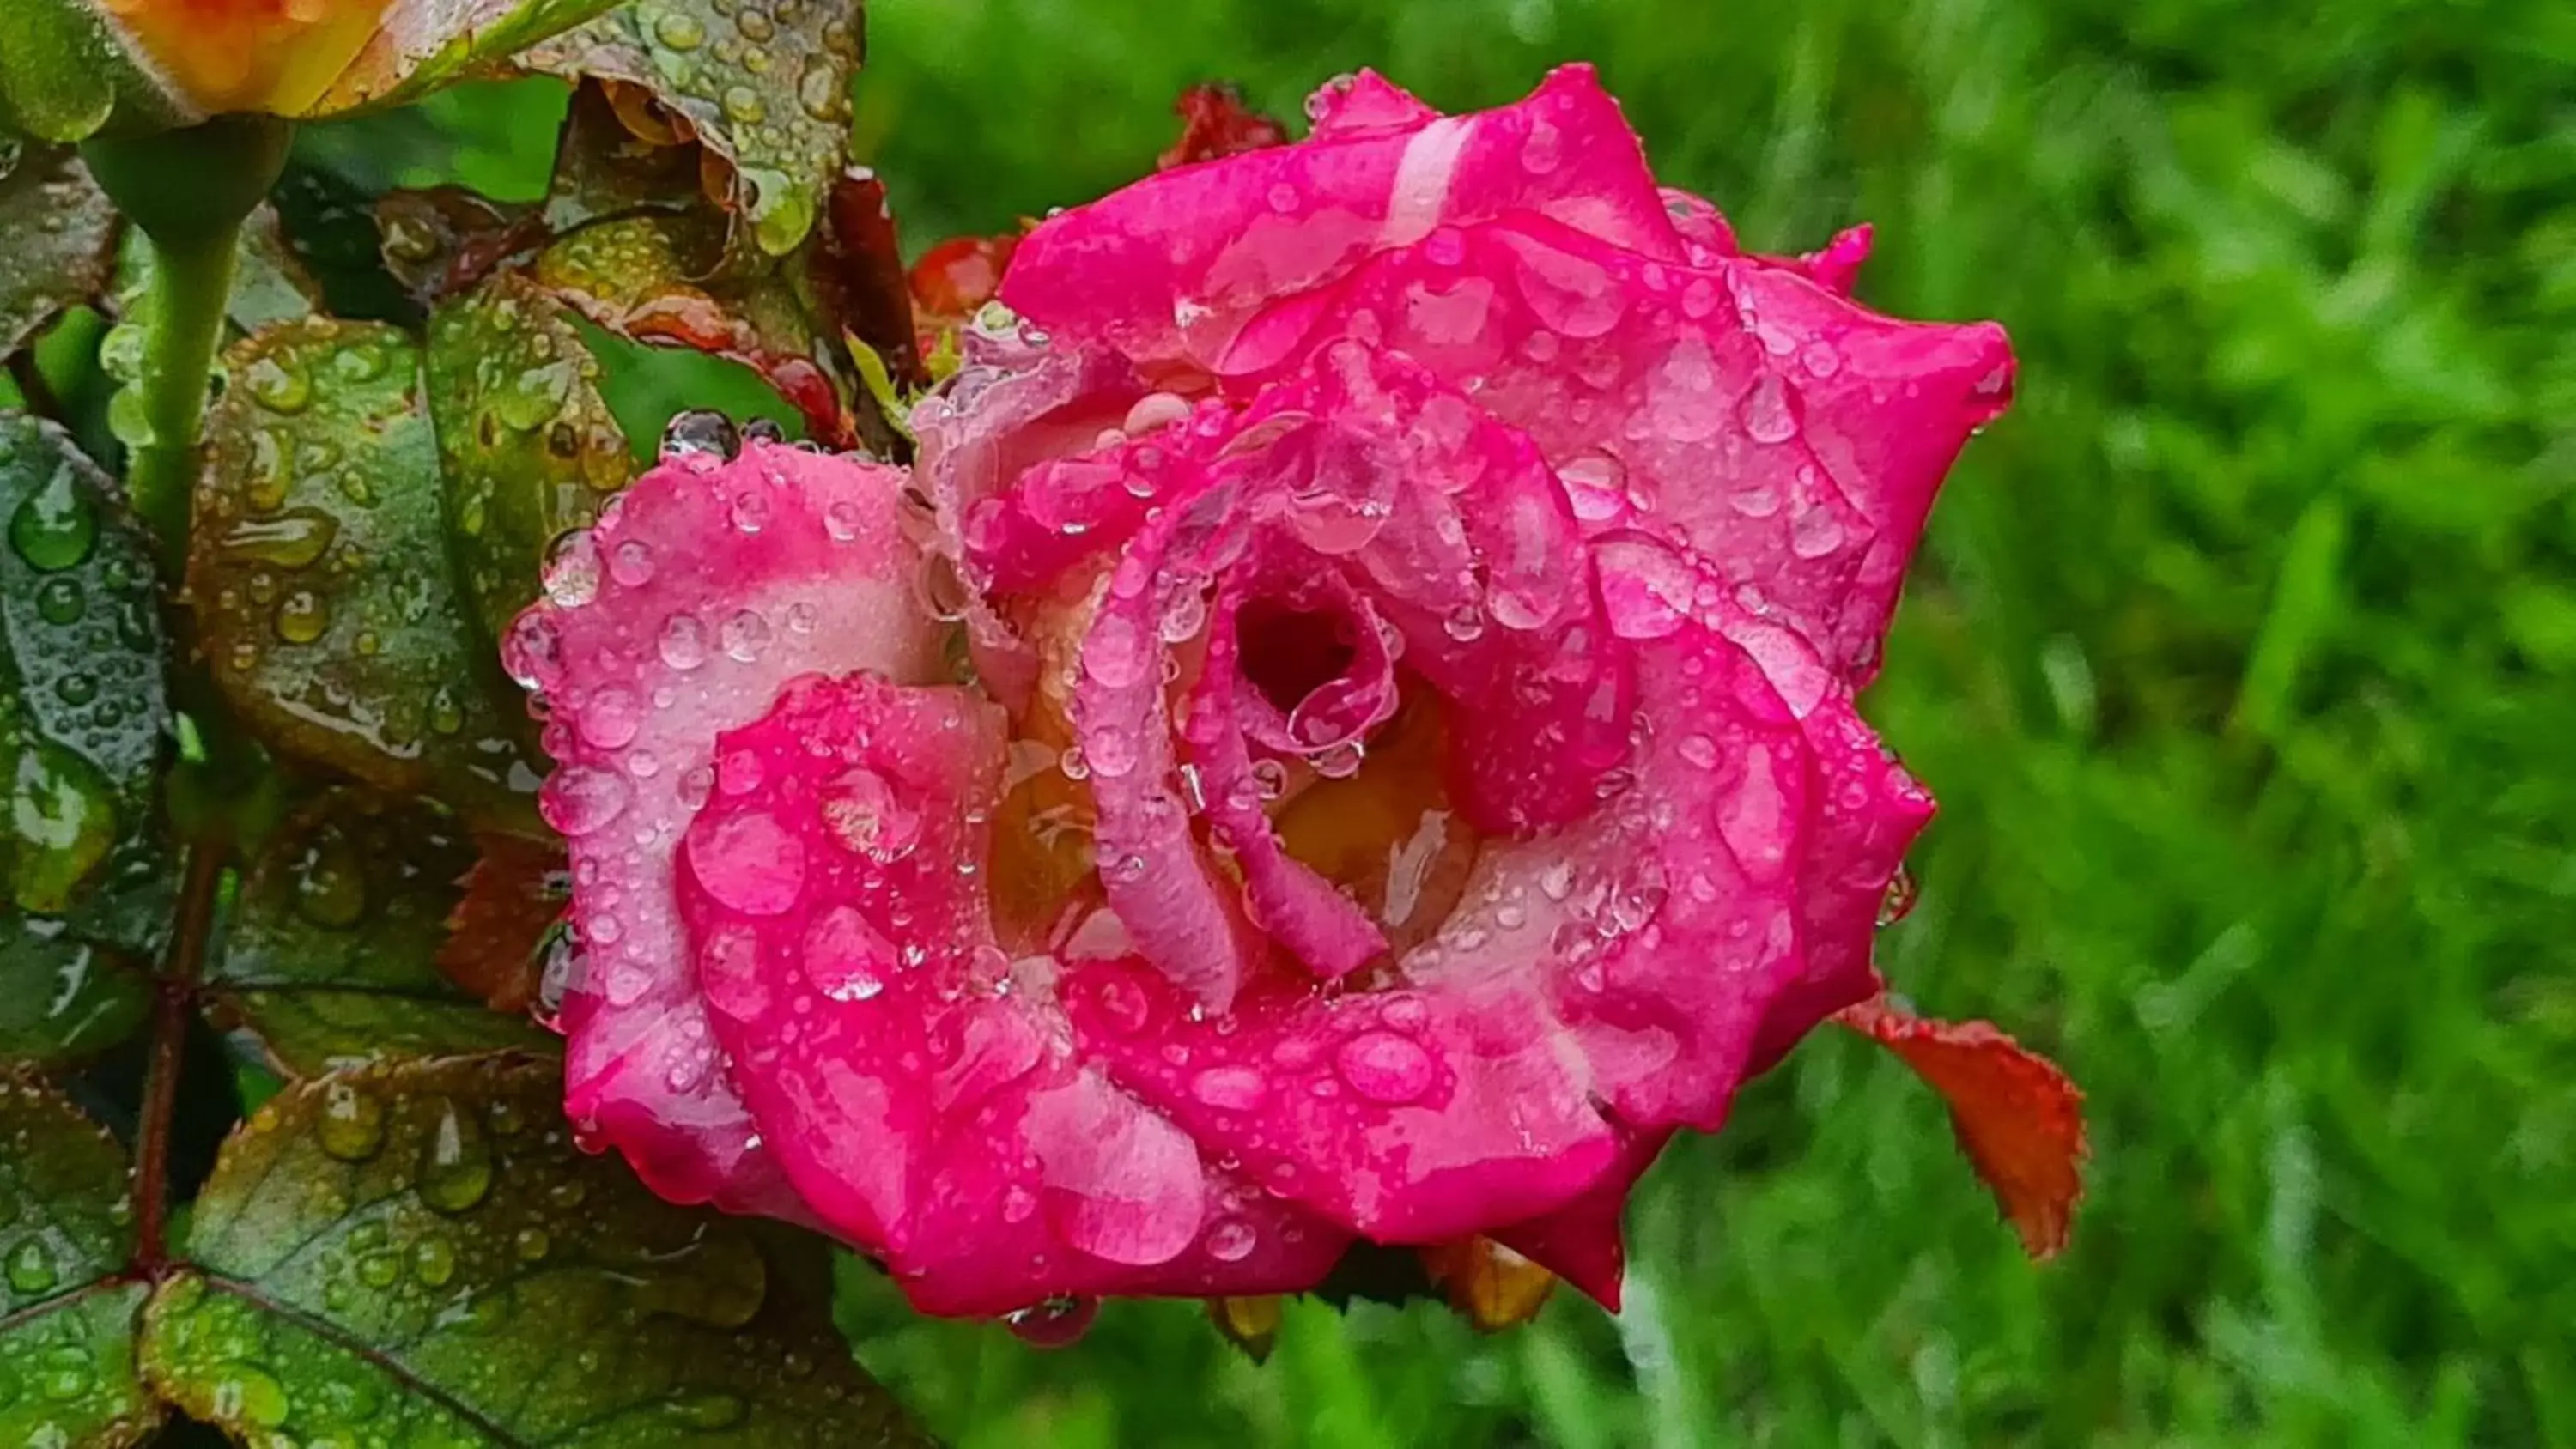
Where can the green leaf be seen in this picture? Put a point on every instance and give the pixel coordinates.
(57, 242)
(530, 450)
(419, 1253)
(64, 73)
(67, 1305)
(662, 279)
(332, 955)
(319, 570)
(425, 44)
(84, 739)
(769, 96)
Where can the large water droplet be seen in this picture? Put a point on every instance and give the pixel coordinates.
(865, 814)
(1385, 1067)
(700, 433)
(748, 862)
(54, 527)
(456, 1162)
(246, 1394)
(1059, 1322)
(846, 958)
(31, 1268)
(578, 799)
(61, 824)
(352, 1125)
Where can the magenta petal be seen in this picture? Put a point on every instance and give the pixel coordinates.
(1409, 1117)
(1300, 909)
(704, 587)
(1174, 267)
(915, 1082)
(1584, 1242)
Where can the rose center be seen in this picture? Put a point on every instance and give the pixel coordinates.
(1289, 653)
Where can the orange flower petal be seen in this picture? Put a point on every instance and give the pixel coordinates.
(2018, 1116)
(276, 56)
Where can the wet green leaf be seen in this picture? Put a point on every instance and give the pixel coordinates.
(63, 73)
(57, 242)
(67, 1310)
(662, 279)
(332, 955)
(422, 46)
(767, 94)
(530, 451)
(617, 155)
(319, 571)
(420, 1253)
(85, 875)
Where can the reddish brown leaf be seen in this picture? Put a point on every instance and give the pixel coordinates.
(2018, 1117)
(513, 896)
(1491, 1286)
(1215, 122)
(859, 270)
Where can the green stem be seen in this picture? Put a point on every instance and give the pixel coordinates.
(189, 192)
(191, 286)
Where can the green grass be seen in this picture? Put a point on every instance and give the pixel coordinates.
(2243, 657)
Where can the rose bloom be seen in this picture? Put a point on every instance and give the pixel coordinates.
(1346, 733)
(249, 55)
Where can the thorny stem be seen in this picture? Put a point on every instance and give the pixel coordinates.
(175, 991)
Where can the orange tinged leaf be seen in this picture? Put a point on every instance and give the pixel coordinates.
(1491, 1286)
(2018, 1116)
(513, 896)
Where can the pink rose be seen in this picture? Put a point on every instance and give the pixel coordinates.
(1415, 582)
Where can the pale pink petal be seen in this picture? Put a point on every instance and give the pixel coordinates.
(704, 588)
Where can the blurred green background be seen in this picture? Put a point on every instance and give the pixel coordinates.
(2242, 655)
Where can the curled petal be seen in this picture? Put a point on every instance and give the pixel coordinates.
(917, 1082)
(703, 589)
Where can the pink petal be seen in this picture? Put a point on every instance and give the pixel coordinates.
(1172, 268)
(917, 1084)
(1584, 1242)
(704, 587)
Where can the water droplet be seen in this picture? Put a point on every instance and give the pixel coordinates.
(352, 1125)
(433, 1261)
(864, 814)
(31, 1268)
(294, 539)
(579, 799)
(711, 1409)
(59, 601)
(823, 89)
(1770, 413)
(748, 861)
(280, 384)
(1898, 902)
(1385, 1067)
(1230, 1088)
(1232, 1240)
(1059, 1322)
(246, 1394)
(700, 432)
(456, 1161)
(846, 958)
(744, 636)
(679, 30)
(1596, 485)
(684, 641)
(744, 107)
(302, 617)
(54, 527)
(59, 824)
